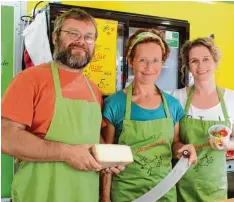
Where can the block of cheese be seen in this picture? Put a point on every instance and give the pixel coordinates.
(112, 155)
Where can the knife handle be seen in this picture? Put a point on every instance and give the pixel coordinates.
(186, 153)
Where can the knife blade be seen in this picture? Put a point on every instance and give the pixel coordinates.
(168, 182)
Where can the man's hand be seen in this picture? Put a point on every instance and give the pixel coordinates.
(80, 158)
(114, 170)
(191, 149)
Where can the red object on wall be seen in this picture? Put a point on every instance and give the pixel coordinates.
(230, 153)
(27, 60)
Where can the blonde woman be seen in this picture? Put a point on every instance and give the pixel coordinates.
(205, 105)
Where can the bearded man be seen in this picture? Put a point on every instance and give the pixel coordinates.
(51, 118)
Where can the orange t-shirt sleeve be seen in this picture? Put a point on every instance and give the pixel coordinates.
(17, 102)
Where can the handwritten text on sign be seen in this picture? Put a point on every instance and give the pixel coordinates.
(102, 69)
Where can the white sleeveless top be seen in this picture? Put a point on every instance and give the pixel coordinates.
(215, 113)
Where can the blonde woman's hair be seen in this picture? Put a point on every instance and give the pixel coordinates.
(203, 41)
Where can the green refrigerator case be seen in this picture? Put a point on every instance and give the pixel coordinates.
(7, 73)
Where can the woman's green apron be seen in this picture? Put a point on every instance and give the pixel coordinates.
(207, 180)
(150, 142)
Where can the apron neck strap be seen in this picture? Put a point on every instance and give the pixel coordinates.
(189, 99)
(129, 103)
(222, 102)
(90, 89)
(165, 104)
(56, 79)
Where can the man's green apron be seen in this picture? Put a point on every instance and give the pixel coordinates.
(74, 122)
(150, 142)
(207, 180)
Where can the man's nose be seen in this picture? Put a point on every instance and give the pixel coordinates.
(81, 40)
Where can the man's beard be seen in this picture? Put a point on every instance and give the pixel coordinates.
(75, 60)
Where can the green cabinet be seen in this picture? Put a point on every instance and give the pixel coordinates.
(7, 73)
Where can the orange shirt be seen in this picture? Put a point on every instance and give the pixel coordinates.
(30, 98)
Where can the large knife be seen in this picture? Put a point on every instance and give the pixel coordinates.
(168, 182)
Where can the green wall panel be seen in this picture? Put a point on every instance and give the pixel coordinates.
(7, 72)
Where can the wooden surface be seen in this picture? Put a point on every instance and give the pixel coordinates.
(228, 200)
(230, 158)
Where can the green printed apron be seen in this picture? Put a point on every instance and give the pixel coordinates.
(150, 142)
(74, 122)
(207, 180)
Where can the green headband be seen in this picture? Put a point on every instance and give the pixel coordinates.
(144, 35)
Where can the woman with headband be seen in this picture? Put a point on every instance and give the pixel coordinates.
(145, 118)
(205, 105)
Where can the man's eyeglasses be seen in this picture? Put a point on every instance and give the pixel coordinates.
(75, 35)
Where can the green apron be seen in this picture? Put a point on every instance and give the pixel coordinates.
(150, 142)
(74, 122)
(207, 180)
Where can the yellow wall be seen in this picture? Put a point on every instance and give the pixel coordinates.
(204, 19)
